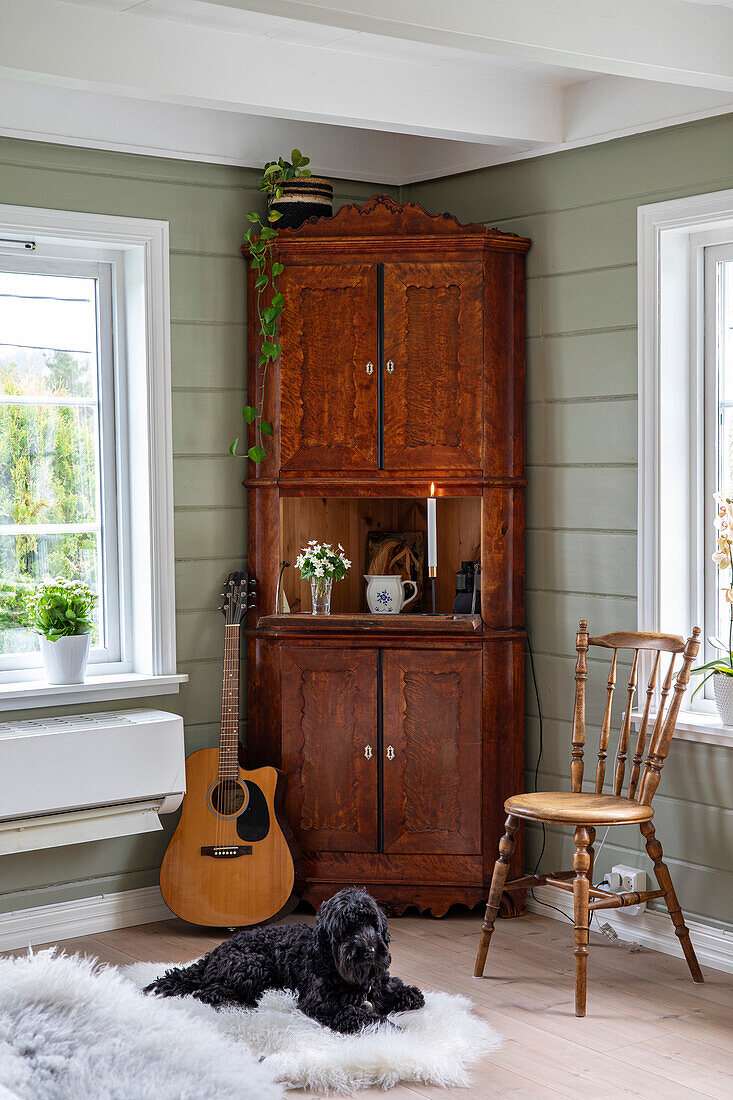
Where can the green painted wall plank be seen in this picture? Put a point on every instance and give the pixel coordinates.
(599, 364)
(207, 482)
(590, 498)
(207, 357)
(219, 532)
(205, 423)
(581, 561)
(562, 433)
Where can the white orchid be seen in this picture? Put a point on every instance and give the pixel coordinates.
(723, 558)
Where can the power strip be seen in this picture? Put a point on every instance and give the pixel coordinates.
(626, 880)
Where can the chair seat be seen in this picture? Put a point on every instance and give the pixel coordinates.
(577, 809)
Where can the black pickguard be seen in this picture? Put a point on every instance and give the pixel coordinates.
(254, 822)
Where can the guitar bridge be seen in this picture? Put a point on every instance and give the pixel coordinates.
(226, 851)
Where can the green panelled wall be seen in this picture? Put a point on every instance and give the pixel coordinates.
(205, 206)
(579, 207)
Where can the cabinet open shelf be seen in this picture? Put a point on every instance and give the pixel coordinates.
(350, 520)
(367, 623)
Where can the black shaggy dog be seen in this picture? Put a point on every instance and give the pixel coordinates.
(338, 967)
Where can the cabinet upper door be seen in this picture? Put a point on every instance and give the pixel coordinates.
(432, 750)
(328, 403)
(433, 351)
(329, 746)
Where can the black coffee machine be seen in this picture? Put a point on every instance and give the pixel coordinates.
(468, 589)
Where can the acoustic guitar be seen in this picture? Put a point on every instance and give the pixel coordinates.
(230, 861)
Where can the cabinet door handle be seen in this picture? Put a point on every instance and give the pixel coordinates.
(390, 366)
(368, 752)
(370, 367)
(390, 752)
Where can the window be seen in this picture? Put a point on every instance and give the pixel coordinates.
(59, 477)
(685, 282)
(718, 418)
(84, 415)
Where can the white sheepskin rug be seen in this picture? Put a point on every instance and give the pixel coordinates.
(433, 1046)
(69, 1031)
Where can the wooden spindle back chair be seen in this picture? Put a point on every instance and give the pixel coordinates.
(586, 810)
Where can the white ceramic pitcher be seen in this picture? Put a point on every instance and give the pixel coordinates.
(386, 595)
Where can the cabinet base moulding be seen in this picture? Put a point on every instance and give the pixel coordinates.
(435, 900)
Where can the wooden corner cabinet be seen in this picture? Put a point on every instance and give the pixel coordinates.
(400, 735)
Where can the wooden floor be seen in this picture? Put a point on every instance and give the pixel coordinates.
(649, 1031)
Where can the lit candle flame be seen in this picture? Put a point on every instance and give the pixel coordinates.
(432, 488)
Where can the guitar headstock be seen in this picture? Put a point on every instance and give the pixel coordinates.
(235, 598)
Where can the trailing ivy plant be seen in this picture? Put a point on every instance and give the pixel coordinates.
(269, 302)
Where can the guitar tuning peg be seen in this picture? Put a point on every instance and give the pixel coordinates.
(253, 582)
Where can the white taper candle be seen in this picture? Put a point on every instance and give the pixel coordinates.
(432, 534)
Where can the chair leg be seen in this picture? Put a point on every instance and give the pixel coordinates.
(592, 854)
(654, 849)
(582, 860)
(498, 880)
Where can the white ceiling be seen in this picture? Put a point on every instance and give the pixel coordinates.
(385, 90)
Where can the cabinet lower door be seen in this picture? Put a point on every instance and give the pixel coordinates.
(432, 751)
(433, 348)
(329, 746)
(328, 368)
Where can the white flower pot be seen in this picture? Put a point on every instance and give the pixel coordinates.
(723, 688)
(66, 659)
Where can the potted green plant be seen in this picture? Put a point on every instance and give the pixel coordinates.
(320, 564)
(721, 668)
(60, 611)
(293, 192)
(286, 184)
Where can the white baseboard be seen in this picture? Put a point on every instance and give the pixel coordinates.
(713, 946)
(68, 919)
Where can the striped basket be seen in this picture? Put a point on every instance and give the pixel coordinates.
(303, 198)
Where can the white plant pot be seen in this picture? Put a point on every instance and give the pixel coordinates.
(66, 659)
(723, 688)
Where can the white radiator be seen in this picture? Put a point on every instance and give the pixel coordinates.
(88, 777)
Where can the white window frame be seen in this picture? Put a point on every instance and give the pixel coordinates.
(137, 250)
(673, 510)
(112, 507)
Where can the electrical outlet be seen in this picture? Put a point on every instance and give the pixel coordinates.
(632, 879)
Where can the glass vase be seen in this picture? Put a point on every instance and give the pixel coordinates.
(321, 595)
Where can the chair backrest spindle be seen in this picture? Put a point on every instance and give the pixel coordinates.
(641, 735)
(663, 734)
(642, 785)
(578, 734)
(623, 741)
(606, 726)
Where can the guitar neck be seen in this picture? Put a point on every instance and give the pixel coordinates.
(229, 737)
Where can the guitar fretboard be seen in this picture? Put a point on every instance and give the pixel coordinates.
(229, 739)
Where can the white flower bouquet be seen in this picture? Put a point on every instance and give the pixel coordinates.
(320, 564)
(723, 558)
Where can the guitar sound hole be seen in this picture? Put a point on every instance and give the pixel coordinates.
(227, 797)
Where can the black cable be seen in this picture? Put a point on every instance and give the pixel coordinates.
(536, 780)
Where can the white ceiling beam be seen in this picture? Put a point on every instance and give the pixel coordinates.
(125, 54)
(662, 40)
(69, 116)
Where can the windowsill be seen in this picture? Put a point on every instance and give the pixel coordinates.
(27, 694)
(699, 726)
